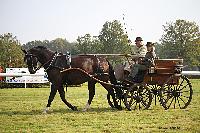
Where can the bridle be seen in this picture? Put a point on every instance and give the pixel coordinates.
(30, 62)
(45, 65)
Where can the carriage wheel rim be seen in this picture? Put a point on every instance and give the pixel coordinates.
(178, 96)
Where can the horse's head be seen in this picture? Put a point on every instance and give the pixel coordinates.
(31, 61)
(32, 57)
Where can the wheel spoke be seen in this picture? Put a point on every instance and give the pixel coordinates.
(145, 99)
(144, 103)
(181, 83)
(175, 103)
(143, 93)
(131, 99)
(185, 96)
(184, 87)
(167, 94)
(168, 97)
(178, 102)
(139, 106)
(182, 100)
(185, 91)
(171, 102)
(135, 105)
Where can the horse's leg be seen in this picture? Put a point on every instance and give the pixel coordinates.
(66, 87)
(62, 96)
(109, 102)
(91, 89)
(51, 97)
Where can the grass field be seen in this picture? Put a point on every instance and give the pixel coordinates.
(21, 111)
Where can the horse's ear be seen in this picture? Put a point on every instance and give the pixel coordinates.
(24, 51)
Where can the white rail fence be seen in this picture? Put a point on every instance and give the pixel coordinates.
(22, 75)
(192, 73)
(25, 76)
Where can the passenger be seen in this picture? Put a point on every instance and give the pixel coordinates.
(144, 64)
(139, 53)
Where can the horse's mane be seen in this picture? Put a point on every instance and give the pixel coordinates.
(41, 47)
(37, 48)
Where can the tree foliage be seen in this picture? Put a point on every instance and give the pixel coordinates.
(88, 45)
(10, 53)
(58, 44)
(113, 38)
(181, 40)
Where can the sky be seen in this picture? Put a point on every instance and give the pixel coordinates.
(31, 20)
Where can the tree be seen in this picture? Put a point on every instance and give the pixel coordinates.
(88, 45)
(10, 54)
(114, 41)
(181, 40)
(113, 38)
(58, 44)
(84, 44)
(35, 43)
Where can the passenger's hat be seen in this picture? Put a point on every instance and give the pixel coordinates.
(138, 39)
(149, 44)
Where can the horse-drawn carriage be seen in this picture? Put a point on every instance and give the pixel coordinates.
(164, 80)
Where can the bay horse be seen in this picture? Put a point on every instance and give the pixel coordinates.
(54, 63)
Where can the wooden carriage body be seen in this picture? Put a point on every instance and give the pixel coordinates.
(163, 69)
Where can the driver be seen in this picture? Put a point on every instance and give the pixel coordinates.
(141, 50)
(138, 53)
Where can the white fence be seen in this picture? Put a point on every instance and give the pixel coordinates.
(22, 75)
(193, 73)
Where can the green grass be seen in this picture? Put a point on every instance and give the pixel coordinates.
(21, 111)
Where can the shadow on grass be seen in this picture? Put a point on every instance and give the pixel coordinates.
(58, 111)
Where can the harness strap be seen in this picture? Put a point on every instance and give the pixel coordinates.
(51, 62)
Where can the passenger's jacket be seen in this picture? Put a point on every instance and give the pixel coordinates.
(148, 60)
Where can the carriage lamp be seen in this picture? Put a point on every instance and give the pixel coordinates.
(178, 70)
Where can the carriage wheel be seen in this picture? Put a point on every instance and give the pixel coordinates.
(138, 97)
(177, 96)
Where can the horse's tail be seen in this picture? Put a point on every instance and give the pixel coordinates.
(113, 79)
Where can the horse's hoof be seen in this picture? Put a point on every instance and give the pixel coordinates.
(129, 109)
(75, 108)
(84, 110)
(119, 107)
(46, 110)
